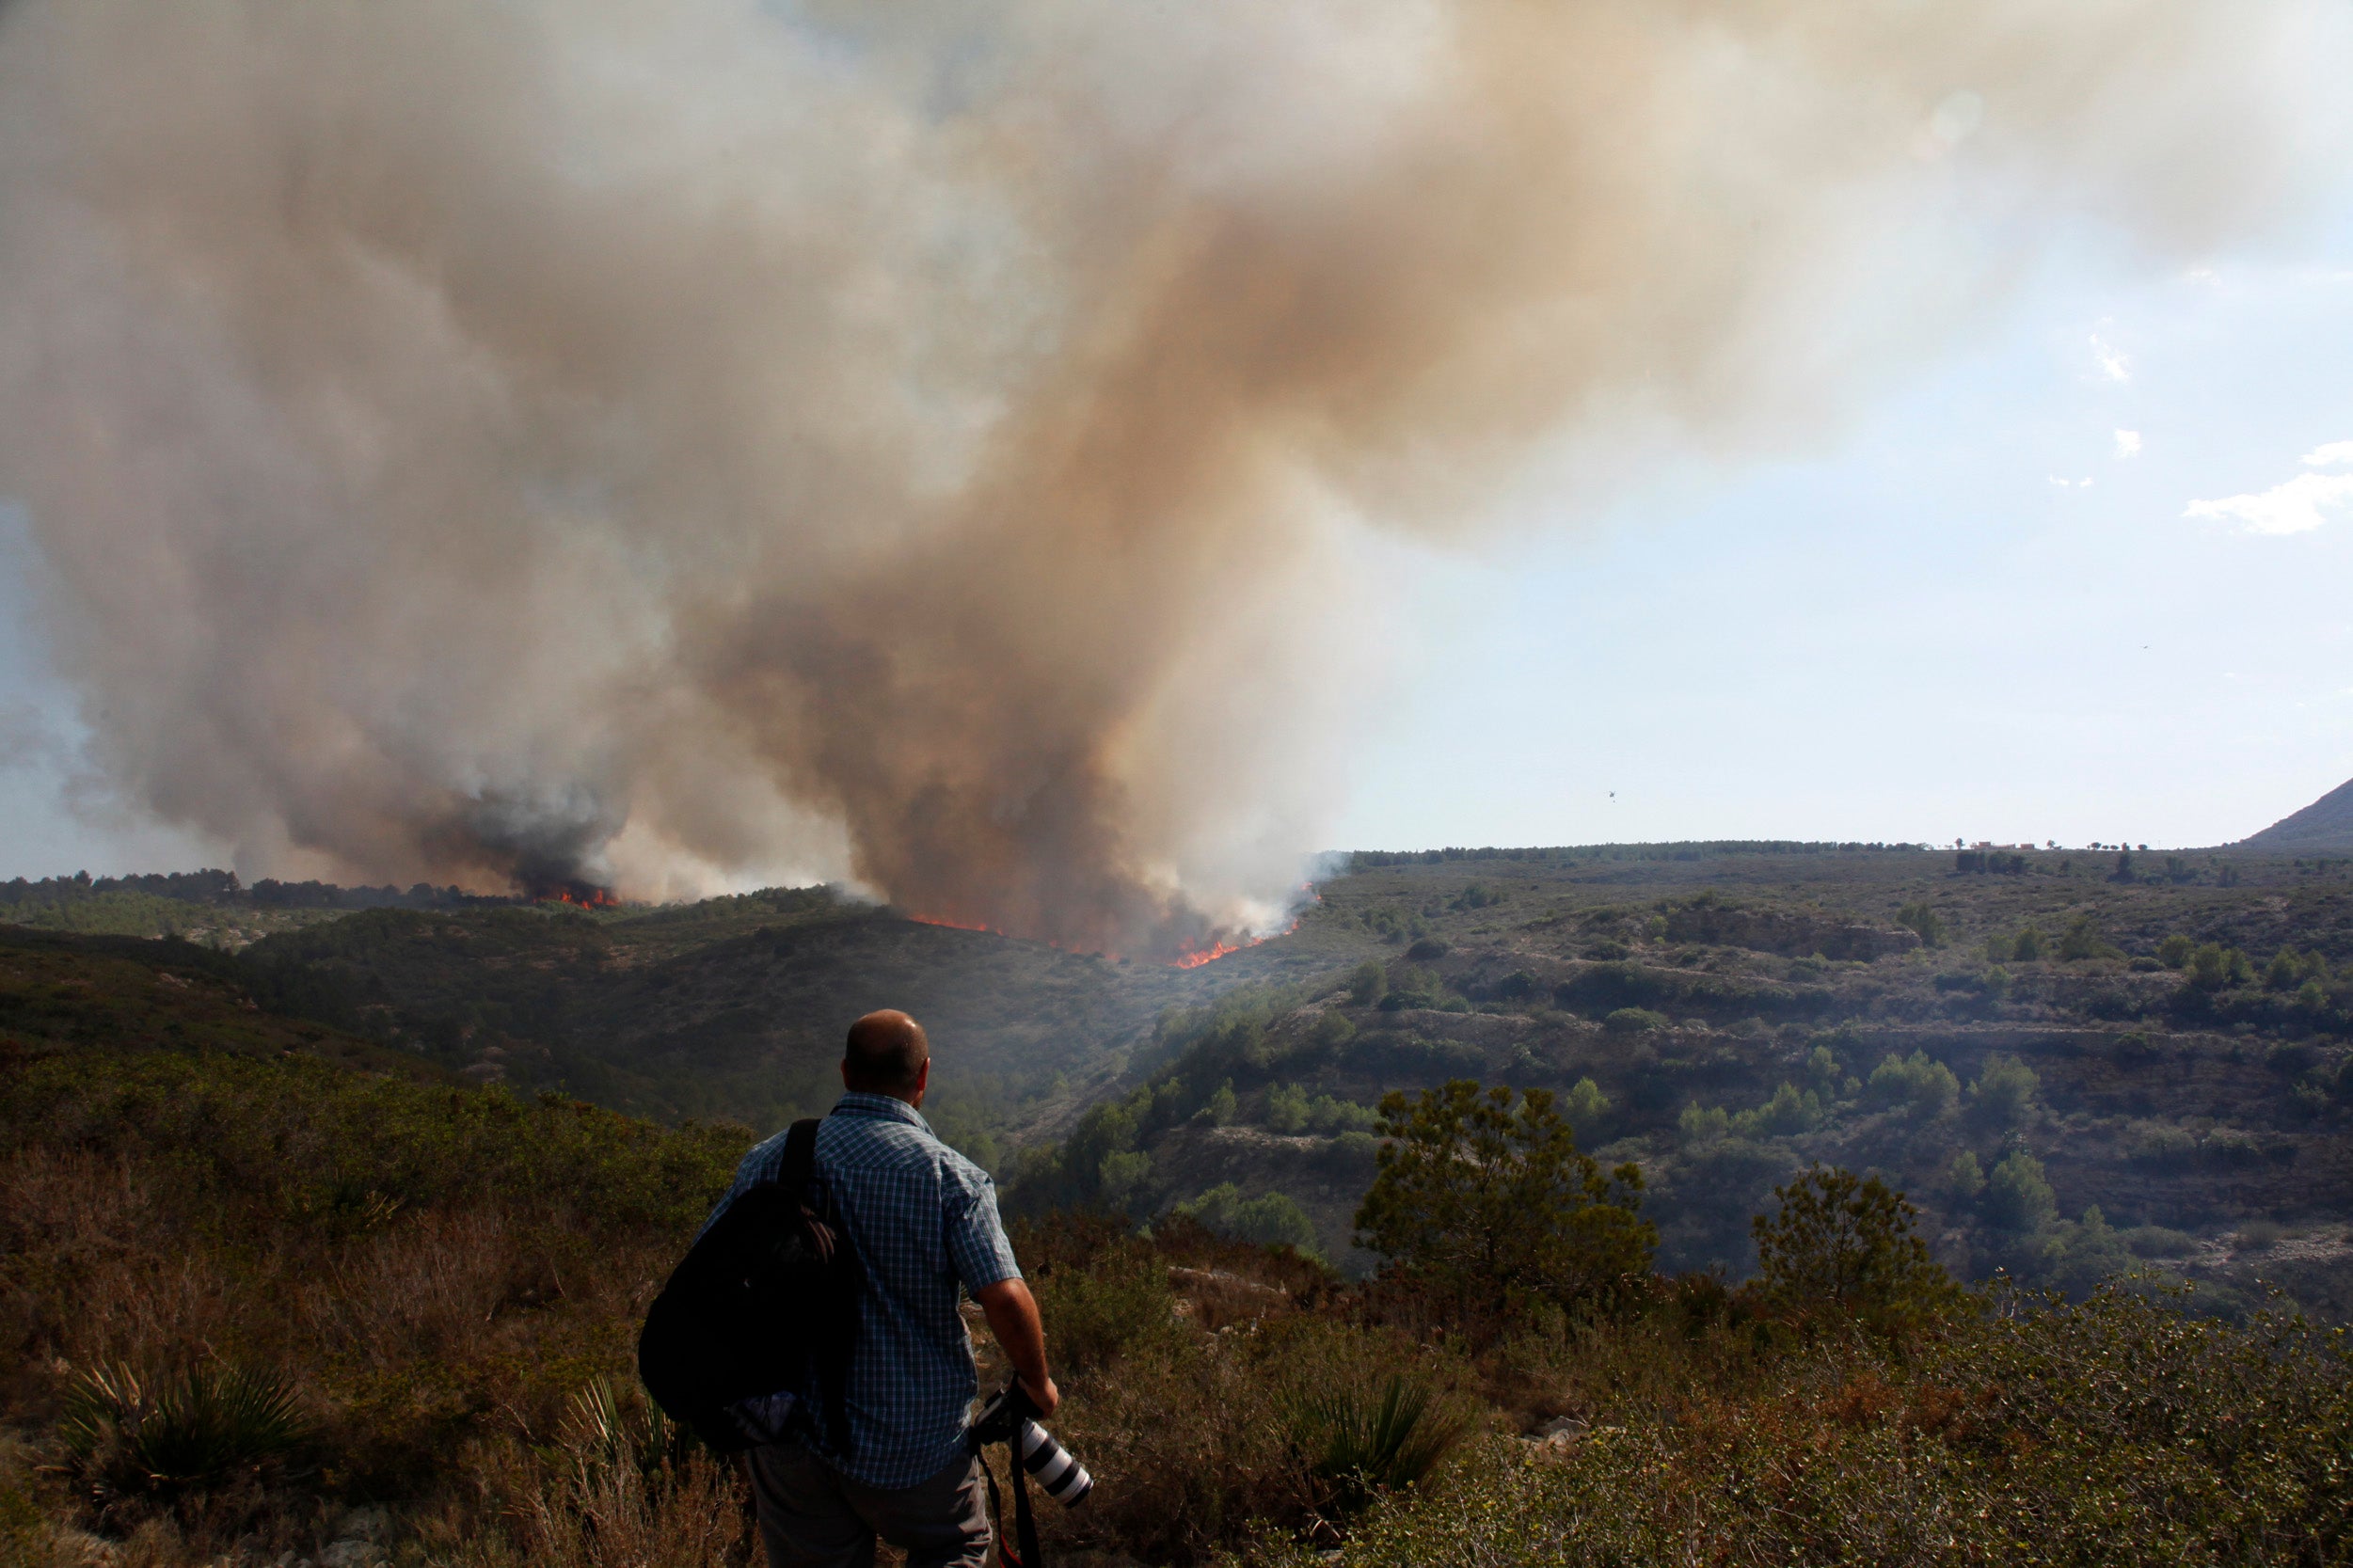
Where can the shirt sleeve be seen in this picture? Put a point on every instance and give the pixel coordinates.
(976, 1238)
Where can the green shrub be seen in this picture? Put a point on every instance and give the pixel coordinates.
(1271, 1219)
(2017, 1198)
(2082, 940)
(1585, 1106)
(2215, 967)
(1363, 1443)
(1483, 1200)
(332, 1150)
(1328, 1114)
(2157, 1241)
(1121, 1177)
(1411, 986)
(2004, 1092)
(2290, 970)
(1219, 1108)
(1704, 1124)
(200, 1426)
(1789, 1113)
(1921, 918)
(2160, 1142)
(1916, 1082)
(1114, 1305)
(1850, 1245)
(2174, 951)
(1965, 1179)
(1633, 1020)
(2118, 1431)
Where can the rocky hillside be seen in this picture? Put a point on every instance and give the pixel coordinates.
(2075, 1066)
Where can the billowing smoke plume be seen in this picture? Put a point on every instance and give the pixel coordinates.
(659, 439)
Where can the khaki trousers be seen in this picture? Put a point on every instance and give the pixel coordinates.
(812, 1517)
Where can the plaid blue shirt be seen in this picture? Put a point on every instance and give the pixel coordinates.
(923, 1221)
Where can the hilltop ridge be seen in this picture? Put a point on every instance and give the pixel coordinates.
(2326, 824)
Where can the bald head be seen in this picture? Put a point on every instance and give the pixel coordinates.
(886, 1053)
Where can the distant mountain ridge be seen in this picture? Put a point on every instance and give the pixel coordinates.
(2326, 824)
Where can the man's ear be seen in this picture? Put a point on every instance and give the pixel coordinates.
(845, 1074)
(923, 1080)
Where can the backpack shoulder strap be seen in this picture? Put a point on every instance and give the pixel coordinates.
(800, 1161)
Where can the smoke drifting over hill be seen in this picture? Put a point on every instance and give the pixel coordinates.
(655, 441)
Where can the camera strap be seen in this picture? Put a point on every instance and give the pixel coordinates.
(1024, 1553)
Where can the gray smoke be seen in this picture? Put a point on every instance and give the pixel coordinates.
(660, 440)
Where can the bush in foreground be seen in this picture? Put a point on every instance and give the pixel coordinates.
(2118, 1430)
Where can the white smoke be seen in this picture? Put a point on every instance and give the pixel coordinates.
(663, 441)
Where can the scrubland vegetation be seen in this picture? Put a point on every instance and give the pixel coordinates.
(2163, 1080)
(283, 1280)
(406, 1309)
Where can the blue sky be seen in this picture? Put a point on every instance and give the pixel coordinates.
(1978, 610)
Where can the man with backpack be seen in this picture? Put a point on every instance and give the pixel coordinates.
(873, 1442)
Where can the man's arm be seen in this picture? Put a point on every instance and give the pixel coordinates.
(1013, 1314)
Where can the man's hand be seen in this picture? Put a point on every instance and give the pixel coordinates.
(1013, 1314)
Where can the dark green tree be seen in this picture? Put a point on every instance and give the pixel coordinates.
(2083, 941)
(1847, 1244)
(1922, 919)
(1482, 1199)
(2215, 967)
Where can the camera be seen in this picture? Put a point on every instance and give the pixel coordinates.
(1010, 1419)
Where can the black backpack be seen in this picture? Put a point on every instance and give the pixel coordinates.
(766, 1300)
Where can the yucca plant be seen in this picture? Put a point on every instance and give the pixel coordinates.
(186, 1430)
(1365, 1441)
(605, 1431)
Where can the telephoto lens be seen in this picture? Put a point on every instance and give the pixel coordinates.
(1007, 1419)
(1051, 1466)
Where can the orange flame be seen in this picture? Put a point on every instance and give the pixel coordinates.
(952, 924)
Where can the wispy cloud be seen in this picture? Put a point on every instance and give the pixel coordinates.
(2114, 362)
(2294, 506)
(2127, 443)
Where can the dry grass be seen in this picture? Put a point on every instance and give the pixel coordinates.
(435, 1273)
(446, 1279)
